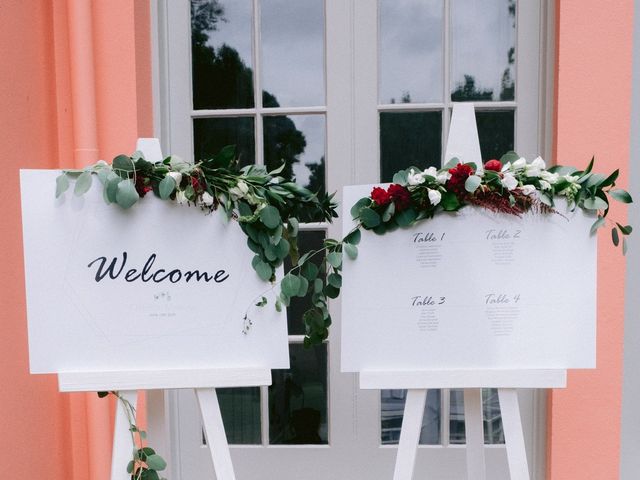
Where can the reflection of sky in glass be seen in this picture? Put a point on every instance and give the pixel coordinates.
(482, 34)
(236, 29)
(292, 37)
(313, 128)
(411, 50)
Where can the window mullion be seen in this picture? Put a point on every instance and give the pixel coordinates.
(446, 88)
(257, 85)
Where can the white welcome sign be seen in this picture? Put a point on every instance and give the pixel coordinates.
(156, 287)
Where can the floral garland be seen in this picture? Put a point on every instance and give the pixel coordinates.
(267, 208)
(509, 185)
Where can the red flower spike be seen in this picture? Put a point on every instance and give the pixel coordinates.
(494, 165)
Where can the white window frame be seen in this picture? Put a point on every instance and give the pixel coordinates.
(352, 134)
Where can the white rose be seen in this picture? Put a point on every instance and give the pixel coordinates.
(434, 197)
(528, 189)
(177, 176)
(431, 172)
(443, 177)
(239, 191)
(519, 164)
(206, 199)
(535, 168)
(552, 178)
(509, 181)
(544, 185)
(415, 178)
(181, 198)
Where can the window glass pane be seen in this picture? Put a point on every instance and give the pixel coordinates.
(496, 133)
(483, 50)
(292, 39)
(299, 142)
(240, 408)
(408, 139)
(211, 134)
(307, 240)
(298, 398)
(492, 420)
(221, 35)
(411, 51)
(392, 411)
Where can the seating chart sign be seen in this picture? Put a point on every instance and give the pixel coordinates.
(471, 290)
(102, 283)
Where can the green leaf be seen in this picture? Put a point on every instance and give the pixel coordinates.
(263, 269)
(334, 259)
(156, 462)
(354, 237)
(130, 466)
(594, 180)
(597, 224)
(614, 236)
(304, 286)
(359, 205)
(351, 250)
(270, 216)
(262, 302)
(123, 163)
(293, 226)
(590, 166)
(166, 187)
(317, 285)
(400, 177)
(282, 249)
(290, 285)
(510, 156)
(625, 229)
(335, 279)
(624, 245)
(126, 195)
(313, 318)
(331, 291)
(472, 183)
(406, 217)
(450, 202)
(388, 212)
(451, 163)
(610, 180)
(278, 305)
(111, 188)
(83, 184)
(621, 195)
(546, 199)
(369, 218)
(595, 203)
(62, 184)
(309, 271)
(102, 394)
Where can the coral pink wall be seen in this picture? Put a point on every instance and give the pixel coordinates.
(593, 92)
(45, 434)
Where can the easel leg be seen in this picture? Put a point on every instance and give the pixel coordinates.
(513, 436)
(214, 431)
(410, 434)
(122, 446)
(474, 434)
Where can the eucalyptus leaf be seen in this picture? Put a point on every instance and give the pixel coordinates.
(263, 269)
(126, 196)
(166, 187)
(597, 224)
(335, 279)
(625, 229)
(270, 216)
(334, 259)
(405, 218)
(156, 462)
(290, 285)
(359, 205)
(83, 184)
(400, 177)
(369, 218)
(62, 184)
(614, 236)
(351, 250)
(595, 203)
(123, 163)
(354, 237)
(621, 195)
(472, 183)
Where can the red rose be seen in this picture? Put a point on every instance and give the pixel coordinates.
(380, 196)
(494, 165)
(400, 196)
(459, 175)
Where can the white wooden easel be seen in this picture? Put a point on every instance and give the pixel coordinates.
(463, 143)
(203, 382)
(472, 381)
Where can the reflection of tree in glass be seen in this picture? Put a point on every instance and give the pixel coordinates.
(467, 91)
(221, 79)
